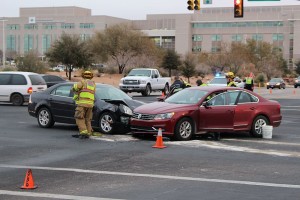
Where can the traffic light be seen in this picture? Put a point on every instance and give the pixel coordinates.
(190, 4)
(197, 5)
(238, 8)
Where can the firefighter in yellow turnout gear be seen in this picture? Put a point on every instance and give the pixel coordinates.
(84, 96)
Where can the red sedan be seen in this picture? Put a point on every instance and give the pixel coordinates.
(199, 110)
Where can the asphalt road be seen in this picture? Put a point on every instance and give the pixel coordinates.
(124, 167)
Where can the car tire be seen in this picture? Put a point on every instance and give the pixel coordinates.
(106, 123)
(147, 91)
(267, 88)
(17, 99)
(184, 129)
(295, 86)
(258, 122)
(44, 118)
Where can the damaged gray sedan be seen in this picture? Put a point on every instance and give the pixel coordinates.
(111, 113)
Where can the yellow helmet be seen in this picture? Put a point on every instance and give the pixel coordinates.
(87, 74)
(230, 75)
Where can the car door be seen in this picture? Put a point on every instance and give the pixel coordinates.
(218, 113)
(62, 104)
(5, 88)
(154, 80)
(245, 111)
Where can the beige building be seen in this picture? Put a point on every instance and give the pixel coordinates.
(204, 30)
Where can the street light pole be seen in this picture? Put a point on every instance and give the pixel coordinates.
(3, 42)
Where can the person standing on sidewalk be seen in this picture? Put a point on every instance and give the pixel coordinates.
(84, 95)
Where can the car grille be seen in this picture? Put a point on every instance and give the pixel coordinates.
(143, 116)
(131, 82)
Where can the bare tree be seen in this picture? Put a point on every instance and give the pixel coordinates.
(121, 43)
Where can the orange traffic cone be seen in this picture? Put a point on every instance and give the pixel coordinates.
(28, 182)
(270, 91)
(162, 94)
(159, 140)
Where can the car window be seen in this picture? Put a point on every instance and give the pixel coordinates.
(37, 80)
(46, 78)
(4, 79)
(109, 92)
(186, 96)
(18, 79)
(244, 98)
(55, 78)
(218, 81)
(253, 98)
(218, 100)
(232, 96)
(63, 90)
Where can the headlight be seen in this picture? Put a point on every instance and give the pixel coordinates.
(126, 109)
(267, 83)
(164, 116)
(143, 82)
(121, 81)
(277, 83)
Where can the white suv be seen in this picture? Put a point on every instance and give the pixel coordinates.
(16, 87)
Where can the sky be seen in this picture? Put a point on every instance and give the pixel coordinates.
(128, 9)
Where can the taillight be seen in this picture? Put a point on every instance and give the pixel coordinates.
(29, 91)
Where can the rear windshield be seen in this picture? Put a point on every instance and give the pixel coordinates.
(218, 81)
(37, 80)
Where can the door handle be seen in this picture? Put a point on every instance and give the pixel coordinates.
(252, 108)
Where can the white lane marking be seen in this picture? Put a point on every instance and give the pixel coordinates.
(264, 142)
(115, 138)
(290, 109)
(219, 145)
(47, 195)
(115, 173)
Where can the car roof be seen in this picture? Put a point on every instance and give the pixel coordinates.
(19, 72)
(71, 83)
(216, 88)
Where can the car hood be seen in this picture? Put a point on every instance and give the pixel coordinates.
(132, 104)
(160, 107)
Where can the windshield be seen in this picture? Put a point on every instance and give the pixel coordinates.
(275, 80)
(110, 93)
(186, 96)
(218, 81)
(140, 72)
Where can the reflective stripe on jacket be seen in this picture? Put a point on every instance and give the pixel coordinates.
(231, 84)
(86, 92)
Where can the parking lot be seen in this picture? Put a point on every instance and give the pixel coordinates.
(125, 167)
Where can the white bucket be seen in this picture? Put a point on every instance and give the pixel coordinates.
(267, 132)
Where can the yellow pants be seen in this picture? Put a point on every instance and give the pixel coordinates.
(83, 116)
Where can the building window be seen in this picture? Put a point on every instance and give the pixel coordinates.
(68, 26)
(236, 38)
(196, 49)
(87, 25)
(216, 37)
(257, 37)
(30, 26)
(215, 49)
(84, 37)
(50, 26)
(13, 27)
(11, 43)
(277, 37)
(28, 42)
(237, 24)
(197, 38)
(46, 42)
